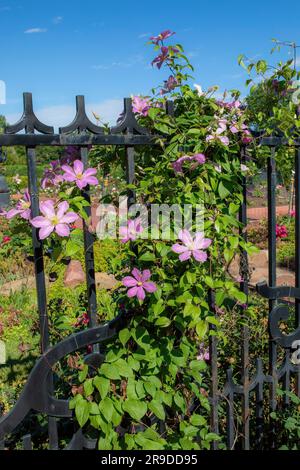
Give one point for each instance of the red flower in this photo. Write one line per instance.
(281, 231)
(6, 240)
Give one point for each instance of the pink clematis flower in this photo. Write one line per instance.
(198, 157)
(140, 105)
(139, 283)
(161, 37)
(52, 220)
(192, 246)
(79, 175)
(22, 208)
(131, 231)
(203, 353)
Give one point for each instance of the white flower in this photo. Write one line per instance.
(199, 89)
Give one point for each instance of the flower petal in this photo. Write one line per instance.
(150, 286)
(137, 274)
(62, 208)
(78, 167)
(200, 256)
(140, 293)
(45, 231)
(132, 292)
(40, 221)
(69, 218)
(185, 256)
(177, 248)
(47, 208)
(185, 236)
(129, 281)
(62, 230)
(146, 274)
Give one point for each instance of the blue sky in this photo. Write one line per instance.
(98, 48)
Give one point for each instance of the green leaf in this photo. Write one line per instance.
(157, 408)
(201, 328)
(124, 336)
(107, 408)
(88, 387)
(110, 371)
(123, 368)
(198, 420)
(148, 256)
(135, 408)
(163, 322)
(102, 384)
(82, 411)
(223, 192)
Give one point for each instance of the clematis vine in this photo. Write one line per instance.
(198, 157)
(77, 174)
(141, 105)
(22, 208)
(54, 220)
(192, 247)
(131, 231)
(139, 284)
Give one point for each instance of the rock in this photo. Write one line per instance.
(105, 281)
(74, 275)
(259, 260)
(286, 279)
(258, 275)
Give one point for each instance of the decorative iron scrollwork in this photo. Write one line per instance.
(29, 122)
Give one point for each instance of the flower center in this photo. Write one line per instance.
(25, 205)
(139, 283)
(79, 176)
(54, 220)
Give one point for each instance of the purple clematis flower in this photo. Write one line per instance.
(52, 175)
(139, 283)
(198, 157)
(22, 208)
(141, 105)
(79, 175)
(131, 231)
(53, 220)
(192, 246)
(161, 37)
(169, 85)
(162, 57)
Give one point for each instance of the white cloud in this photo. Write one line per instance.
(144, 35)
(57, 19)
(35, 30)
(62, 115)
(137, 59)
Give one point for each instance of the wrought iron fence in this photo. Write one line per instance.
(244, 400)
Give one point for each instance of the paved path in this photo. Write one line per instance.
(259, 213)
